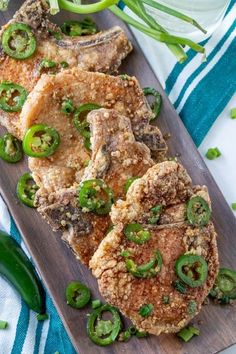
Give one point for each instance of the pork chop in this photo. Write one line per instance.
(86, 52)
(44, 104)
(116, 157)
(118, 262)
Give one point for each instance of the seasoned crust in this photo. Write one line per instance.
(86, 52)
(173, 238)
(116, 156)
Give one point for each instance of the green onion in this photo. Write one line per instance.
(67, 107)
(42, 317)
(165, 299)
(192, 307)
(233, 113)
(146, 310)
(174, 13)
(54, 7)
(213, 153)
(96, 303)
(86, 9)
(234, 206)
(64, 64)
(188, 332)
(179, 286)
(47, 64)
(158, 35)
(140, 11)
(3, 324)
(140, 334)
(4, 5)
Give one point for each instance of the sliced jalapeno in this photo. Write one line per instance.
(136, 233)
(155, 214)
(80, 121)
(76, 28)
(192, 269)
(18, 41)
(77, 295)
(41, 141)
(103, 332)
(156, 106)
(26, 190)
(129, 182)
(47, 64)
(198, 211)
(96, 196)
(148, 270)
(224, 288)
(12, 97)
(10, 148)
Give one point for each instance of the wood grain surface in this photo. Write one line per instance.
(58, 266)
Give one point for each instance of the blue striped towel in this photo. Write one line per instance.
(199, 92)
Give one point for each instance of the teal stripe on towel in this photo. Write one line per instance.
(205, 103)
(203, 65)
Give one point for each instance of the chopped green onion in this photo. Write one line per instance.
(67, 107)
(125, 254)
(54, 7)
(146, 310)
(188, 332)
(47, 64)
(64, 64)
(42, 317)
(165, 299)
(234, 206)
(180, 287)
(3, 324)
(96, 303)
(124, 336)
(192, 307)
(213, 153)
(140, 334)
(233, 113)
(4, 5)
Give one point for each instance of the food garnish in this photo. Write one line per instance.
(10, 148)
(26, 190)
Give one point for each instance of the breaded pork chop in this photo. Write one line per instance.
(131, 276)
(44, 105)
(116, 157)
(86, 52)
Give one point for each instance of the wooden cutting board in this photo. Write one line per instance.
(58, 266)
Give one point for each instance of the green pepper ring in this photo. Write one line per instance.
(29, 135)
(83, 126)
(11, 158)
(86, 202)
(145, 270)
(136, 233)
(20, 190)
(192, 216)
(7, 35)
(226, 282)
(91, 325)
(156, 107)
(77, 295)
(10, 86)
(189, 260)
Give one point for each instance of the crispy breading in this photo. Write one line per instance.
(66, 166)
(167, 184)
(86, 52)
(116, 157)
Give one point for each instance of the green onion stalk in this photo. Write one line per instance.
(144, 23)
